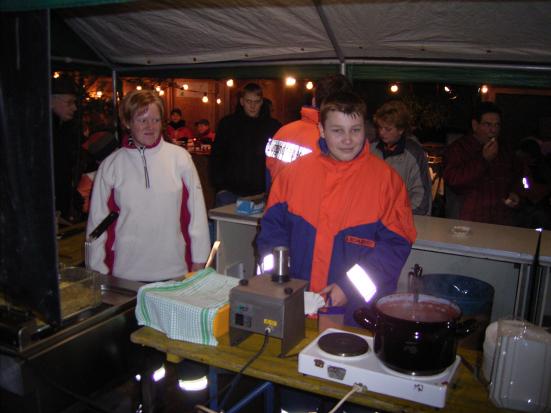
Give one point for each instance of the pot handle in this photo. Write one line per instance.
(365, 317)
(466, 327)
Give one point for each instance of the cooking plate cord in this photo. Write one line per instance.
(355, 388)
(238, 376)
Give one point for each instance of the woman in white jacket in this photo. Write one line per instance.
(161, 231)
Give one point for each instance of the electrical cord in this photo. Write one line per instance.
(238, 376)
(355, 388)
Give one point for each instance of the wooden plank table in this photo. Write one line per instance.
(466, 395)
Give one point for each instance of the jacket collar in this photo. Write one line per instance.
(394, 150)
(310, 114)
(128, 142)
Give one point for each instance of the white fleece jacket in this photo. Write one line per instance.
(161, 214)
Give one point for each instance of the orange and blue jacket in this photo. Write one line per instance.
(333, 215)
(292, 141)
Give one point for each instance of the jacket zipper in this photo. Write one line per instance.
(141, 149)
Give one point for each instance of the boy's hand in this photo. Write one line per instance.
(335, 295)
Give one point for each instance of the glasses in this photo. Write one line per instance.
(490, 124)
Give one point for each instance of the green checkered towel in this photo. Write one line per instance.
(185, 310)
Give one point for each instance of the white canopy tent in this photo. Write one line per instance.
(169, 32)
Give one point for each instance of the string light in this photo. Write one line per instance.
(309, 85)
(139, 87)
(290, 81)
(218, 101)
(56, 75)
(484, 89)
(205, 98)
(158, 88)
(161, 92)
(99, 93)
(394, 88)
(229, 83)
(185, 86)
(447, 89)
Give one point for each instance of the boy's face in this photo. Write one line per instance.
(175, 117)
(344, 134)
(251, 103)
(202, 128)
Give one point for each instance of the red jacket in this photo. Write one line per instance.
(482, 185)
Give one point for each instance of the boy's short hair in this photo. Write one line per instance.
(346, 102)
(329, 85)
(252, 88)
(176, 110)
(395, 113)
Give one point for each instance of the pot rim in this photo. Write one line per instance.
(440, 300)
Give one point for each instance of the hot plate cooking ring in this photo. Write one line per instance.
(343, 344)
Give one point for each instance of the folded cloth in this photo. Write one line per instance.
(185, 310)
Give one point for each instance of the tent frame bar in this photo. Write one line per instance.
(332, 61)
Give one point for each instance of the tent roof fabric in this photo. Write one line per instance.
(171, 32)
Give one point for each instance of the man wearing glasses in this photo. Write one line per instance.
(482, 170)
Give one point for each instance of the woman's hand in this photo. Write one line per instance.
(335, 295)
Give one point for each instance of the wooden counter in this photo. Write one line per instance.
(466, 394)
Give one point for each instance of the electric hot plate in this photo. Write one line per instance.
(347, 358)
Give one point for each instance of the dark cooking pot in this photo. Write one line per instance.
(415, 337)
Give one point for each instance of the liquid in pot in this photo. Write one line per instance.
(425, 311)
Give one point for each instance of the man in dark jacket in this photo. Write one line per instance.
(237, 164)
(66, 146)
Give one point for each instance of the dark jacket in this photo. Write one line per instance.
(66, 147)
(238, 160)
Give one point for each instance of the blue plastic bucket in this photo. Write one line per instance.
(474, 297)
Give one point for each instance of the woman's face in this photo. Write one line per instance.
(146, 125)
(389, 133)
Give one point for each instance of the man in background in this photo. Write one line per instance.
(482, 170)
(66, 144)
(301, 137)
(237, 163)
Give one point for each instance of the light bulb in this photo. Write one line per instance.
(394, 88)
(218, 101)
(139, 87)
(205, 98)
(229, 83)
(484, 89)
(290, 81)
(309, 85)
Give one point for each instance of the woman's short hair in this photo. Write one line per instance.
(346, 102)
(395, 113)
(136, 101)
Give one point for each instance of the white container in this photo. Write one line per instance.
(521, 374)
(488, 350)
